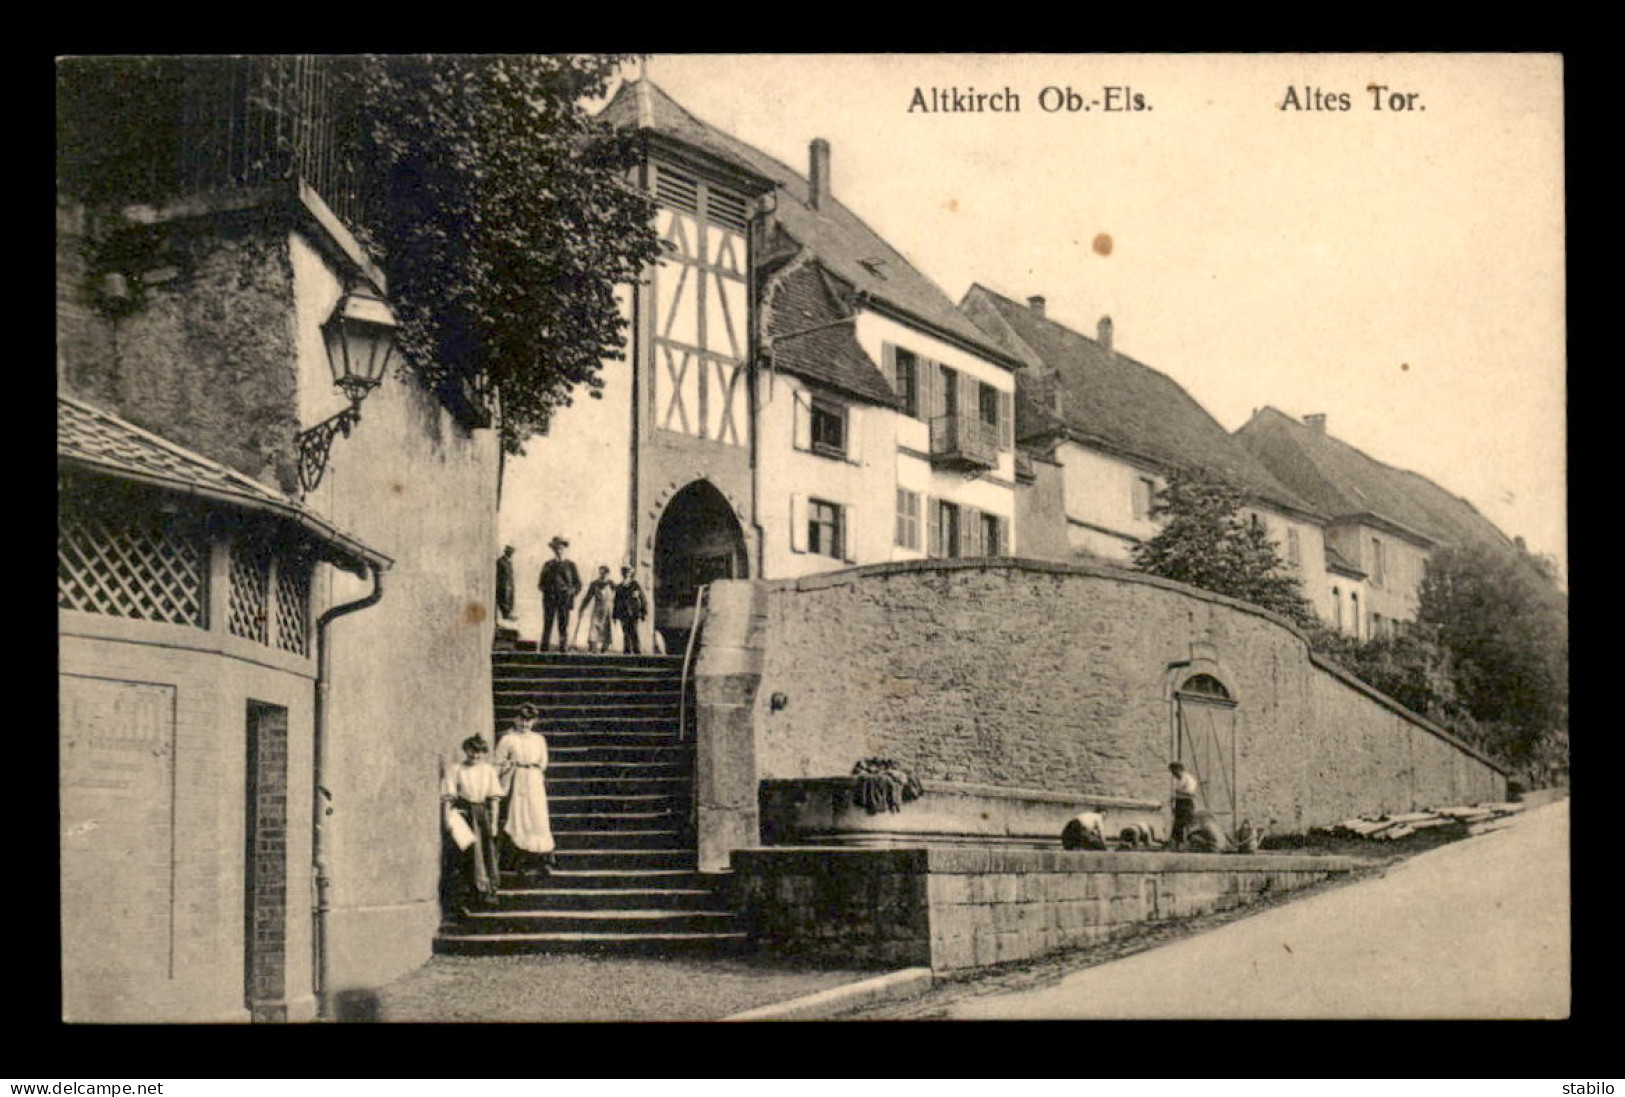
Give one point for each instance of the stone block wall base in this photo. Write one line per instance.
(960, 908)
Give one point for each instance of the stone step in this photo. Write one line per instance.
(606, 770)
(587, 703)
(605, 898)
(619, 782)
(610, 944)
(576, 738)
(608, 822)
(652, 805)
(584, 661)
(617, 840)
(655, 754)
(609, 721)
(673, 879)
(507, 686)
(610, 920)
(669, 857)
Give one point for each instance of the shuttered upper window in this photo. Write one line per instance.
(908, 518)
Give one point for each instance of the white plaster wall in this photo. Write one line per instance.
(1397, 597)
(982, 492)
(864, 481)
(411, 675)
(993, 492)
(874, 331)
(574, 481)
(1311, 566)
(1099, 489)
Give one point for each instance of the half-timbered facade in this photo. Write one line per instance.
(796, 396)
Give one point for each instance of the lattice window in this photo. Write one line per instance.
(293, 605)
(250, 598)
(145, 567)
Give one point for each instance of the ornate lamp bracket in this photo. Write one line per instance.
(315, 443)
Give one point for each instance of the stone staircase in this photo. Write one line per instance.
(620, 794)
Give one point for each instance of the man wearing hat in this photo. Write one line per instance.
(559, 583)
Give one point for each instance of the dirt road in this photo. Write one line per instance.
(1476, 929)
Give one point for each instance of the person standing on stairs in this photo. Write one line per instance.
(597, 606)
(474, 792)
(522, 758)
(630, 609)
(560, 583)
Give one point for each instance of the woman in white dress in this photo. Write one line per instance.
(522, 758)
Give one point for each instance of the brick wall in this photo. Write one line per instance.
(1050, 676)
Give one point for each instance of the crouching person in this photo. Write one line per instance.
(1140, 836)
(1205, 835)
(1248, 838)
(1084, 831)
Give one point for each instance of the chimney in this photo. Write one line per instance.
(1103, 332)
(818, 174)
(1036, 304)
(1316, 422)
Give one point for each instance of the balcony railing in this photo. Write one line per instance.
(958, 441)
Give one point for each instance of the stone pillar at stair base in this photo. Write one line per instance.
(727, 674)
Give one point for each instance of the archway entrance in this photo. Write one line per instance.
(697, 541)
(1205, 740)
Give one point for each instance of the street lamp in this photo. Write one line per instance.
(360, 339)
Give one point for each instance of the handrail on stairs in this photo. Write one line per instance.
(702, 601)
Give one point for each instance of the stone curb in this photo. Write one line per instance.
(883, 988)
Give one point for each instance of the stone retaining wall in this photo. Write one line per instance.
(962, 908)
(1022, 674)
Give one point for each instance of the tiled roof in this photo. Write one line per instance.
(94, 439)
(811, 335)
(1344, 482)
(1118, 404)
(845, 245)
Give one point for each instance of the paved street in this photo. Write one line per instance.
(1475, 929)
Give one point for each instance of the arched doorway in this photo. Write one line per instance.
(1205, 740)
(697, 541)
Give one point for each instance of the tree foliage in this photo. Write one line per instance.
(1504, 626)
(1207, 543)
(503, 217)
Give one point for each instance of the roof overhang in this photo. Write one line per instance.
(714, 168)
(341, 549)
(1387, 525)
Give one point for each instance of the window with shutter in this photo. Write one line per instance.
(828, 427)
(992, 535)
(908, 518)
(1007, 421)
(933, 527)
(930, 394)
(970, 532)
(949, 530)
(798, 523)
(824, 529)
(801, 431)
(987, 404)
(905, 373)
